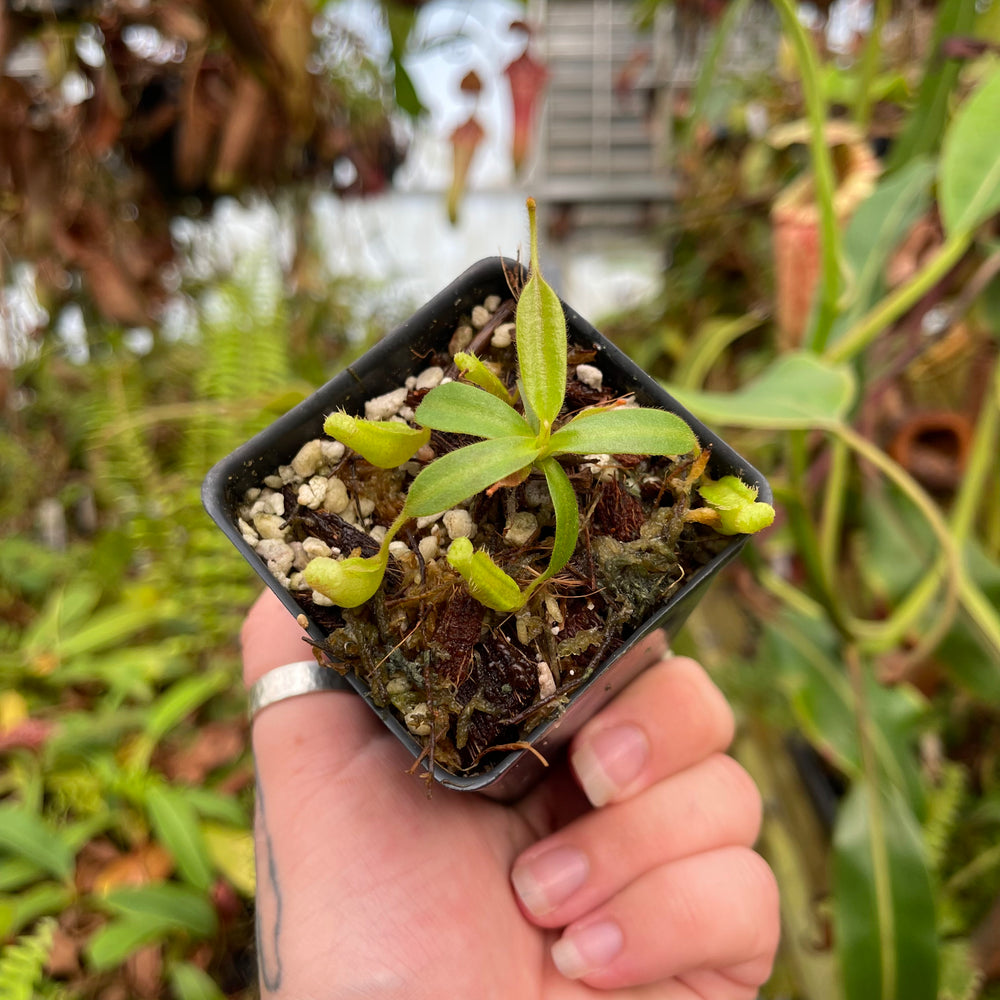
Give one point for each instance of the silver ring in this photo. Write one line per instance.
(290, 681)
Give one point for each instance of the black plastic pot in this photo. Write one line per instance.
(386, 367)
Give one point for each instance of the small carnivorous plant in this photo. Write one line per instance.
(513, 444)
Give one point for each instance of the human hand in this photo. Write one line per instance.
(367, 888)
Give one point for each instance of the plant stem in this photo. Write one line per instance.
(832, 516)
(877, 841)
(804, 530)
(888, 633)
(899, 302)
(869, 64)
(982, 462)
(823, 176)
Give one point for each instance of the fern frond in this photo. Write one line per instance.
(23, 961)
(958, 978)
(944, 802)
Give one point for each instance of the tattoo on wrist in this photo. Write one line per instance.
(268, 904)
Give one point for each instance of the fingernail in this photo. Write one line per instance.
(609, 761)
(547, 881)
(587, 949)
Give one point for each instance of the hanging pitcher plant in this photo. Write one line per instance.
(527, 78)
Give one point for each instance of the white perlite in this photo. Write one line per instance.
(429, 378)
(546, 682)
(336, 499)
(315, 547)
(278, 555)
(589, 375)
(503, 335)
(429, 548)
(480, 317)
(333, 451)
(387, 405)
(313, 493)
(492, 302)
(309, 459)
(270, 525)
(459, 524)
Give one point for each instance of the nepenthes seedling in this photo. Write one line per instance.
(519, 431)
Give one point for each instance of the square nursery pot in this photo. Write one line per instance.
(384, 368)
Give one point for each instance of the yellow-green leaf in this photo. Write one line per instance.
(476, 371)
(466, 409)
(626, 430)
(347, 582)
(541, 339)
(486, 581)
(463, 473)
(385, 443)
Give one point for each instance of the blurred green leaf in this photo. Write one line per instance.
(181, 699)
(924, 127)
(217, 806)
(232, 851)
(796, 391)
(166, 904)
(875, 231)
(117, 939)
(29, 836)
(64, 611)
(969, 189)
(188, 982)
(17, 912)
(898, 546)
(176, 826)
(968, 659)
(18, 872)
(884, 917)
(805, 655)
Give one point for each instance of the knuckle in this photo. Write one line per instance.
(739, 794)
(711, 714)
(762, 912)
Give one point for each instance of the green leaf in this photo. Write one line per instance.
(463, 473)
(176, 825)
(875, 231)
(567, 518)
(385, 443)
(66, 610)
(231, 849)
(541, 339)
(624, 430)
(466, 409)
(25, 834)
(188, 982)
(922, 132)
(118, 939)
(884, 916)
(970, 165)
(806, 658)
(166, 905)
(181, 699)
(797, 391)
(17, 912)
(348, 582)
(475, 370)
(486, 581)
